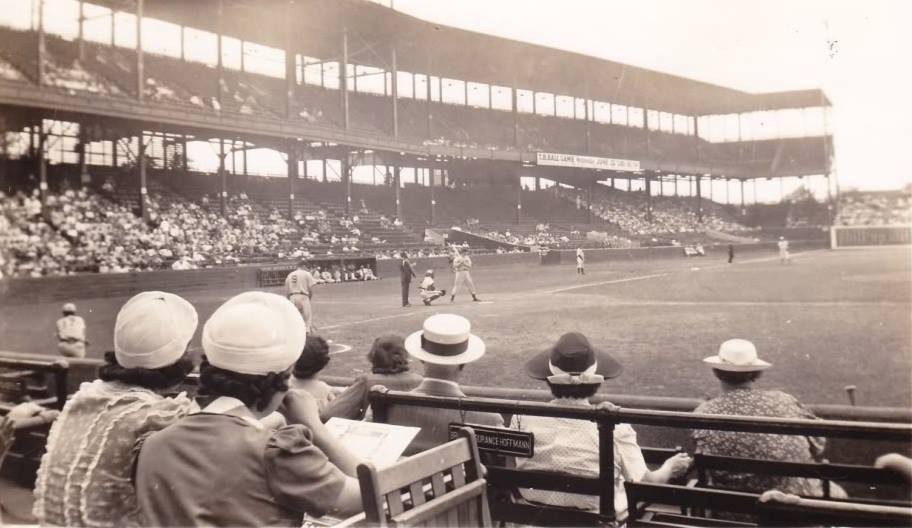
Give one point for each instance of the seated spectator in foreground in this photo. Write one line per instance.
(737, 367)
(389, 367)
(84, 478)
(304, 374)
(222, 466)
(444, 346)
(574, 371)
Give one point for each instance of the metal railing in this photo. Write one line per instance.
(606, 420)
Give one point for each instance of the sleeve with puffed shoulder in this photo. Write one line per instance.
(299, 474)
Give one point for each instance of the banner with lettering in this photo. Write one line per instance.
(586, 162)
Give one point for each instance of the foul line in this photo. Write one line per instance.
(600, 283)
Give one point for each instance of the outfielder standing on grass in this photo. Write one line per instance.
(580, 261)
(299, 284)
(462, 265)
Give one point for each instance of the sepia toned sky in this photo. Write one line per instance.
(858, 51)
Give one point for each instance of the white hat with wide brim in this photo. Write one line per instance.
(737, 355)
(445, 339)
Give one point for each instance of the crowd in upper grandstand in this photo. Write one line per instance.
(873, 209)
(253, 448)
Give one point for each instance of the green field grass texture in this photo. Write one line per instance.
(827, 320)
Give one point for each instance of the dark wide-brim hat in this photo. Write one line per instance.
(572, 353)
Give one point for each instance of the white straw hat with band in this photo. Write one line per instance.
(254, 333)
(445, 339)
(737, 355)
(153, 329)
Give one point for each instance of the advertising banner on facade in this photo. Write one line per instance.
(586, 162)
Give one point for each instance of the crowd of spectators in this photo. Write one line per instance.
(261, 394)
(875, 209)
(628, 211)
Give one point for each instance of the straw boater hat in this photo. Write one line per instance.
(445, 339)
(69, 308)
(737, 355)
(254, 333)
(573, 360)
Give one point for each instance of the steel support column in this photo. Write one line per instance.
(140, 66)
(292, 176)
(80, 41)
(42, 164)
(519, 199)
(343, 80)
(346, 179)
(394, 88)
(42, 46)
(290, 71)
(648, 186)
(81, 153)
(433, 196)
(699, 180)
(743, 210)
(397, 183)
(223, 179)
(589, 204)
(219, 66)
(143, 177)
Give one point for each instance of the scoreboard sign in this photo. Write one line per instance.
(498, 440)
(862, 236)
(586, 162)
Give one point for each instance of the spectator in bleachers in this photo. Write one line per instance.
(444, 346)
(223, 466)
(737, 367)
(574, 371)
(313, 359)
(84, 478)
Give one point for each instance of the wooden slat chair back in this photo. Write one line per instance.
(826, 472)
(442, 486)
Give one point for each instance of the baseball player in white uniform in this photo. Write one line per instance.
(580, 262)
(299, 284)
(784, 257)
(462, 267)
(71, 333)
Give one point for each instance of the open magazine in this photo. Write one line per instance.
(379, 443)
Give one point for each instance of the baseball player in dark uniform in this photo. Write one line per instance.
(406, 273)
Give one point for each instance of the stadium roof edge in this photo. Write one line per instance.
(454, 53)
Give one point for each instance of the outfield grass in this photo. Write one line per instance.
(827, 320)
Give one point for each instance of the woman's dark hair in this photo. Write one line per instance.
(253, 390)
(155, 379)
(314, 357)
(737, 378)
(388, 355)
(574, 391)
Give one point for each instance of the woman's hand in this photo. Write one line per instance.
(678, 465)
(299, 407)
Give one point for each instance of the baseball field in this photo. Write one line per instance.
(826, 320)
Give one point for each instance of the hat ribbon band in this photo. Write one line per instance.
(440, 349)
(562, 377)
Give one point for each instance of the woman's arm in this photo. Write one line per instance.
(301, 408)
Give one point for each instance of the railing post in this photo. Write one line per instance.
(61, 370)
(606, 468)
(379, 407)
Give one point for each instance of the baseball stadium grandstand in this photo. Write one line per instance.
(401, 123)
(213, 147)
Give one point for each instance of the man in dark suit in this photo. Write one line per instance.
(444, 346)
(406, 273)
